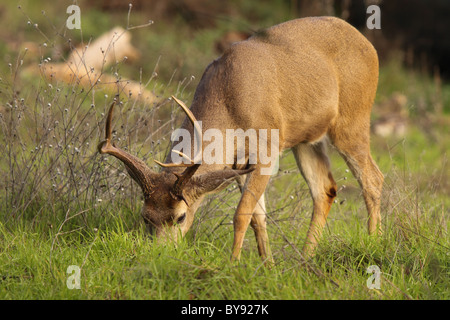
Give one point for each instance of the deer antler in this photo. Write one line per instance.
(182, 179)
(136, 168)
(197, 133)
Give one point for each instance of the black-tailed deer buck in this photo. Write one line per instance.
(311, 79)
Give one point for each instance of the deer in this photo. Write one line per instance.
(314, 79)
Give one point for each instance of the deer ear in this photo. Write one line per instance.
(216, 180)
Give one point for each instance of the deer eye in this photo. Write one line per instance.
(181, 218)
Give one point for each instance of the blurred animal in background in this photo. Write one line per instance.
(392, 116)
(91, 64)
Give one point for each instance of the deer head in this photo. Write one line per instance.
(172, 196)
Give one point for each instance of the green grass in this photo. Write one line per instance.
(62, 204)
(120, 264)
(119, 261)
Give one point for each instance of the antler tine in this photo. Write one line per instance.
(171, 165)
(183, 155)
(197, 133)
(108, 121)
(190, 115)
(182, 180)
(185, 109)
(105, 145)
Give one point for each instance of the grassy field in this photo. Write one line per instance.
(62, 204)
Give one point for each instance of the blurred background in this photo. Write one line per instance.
(187, 34)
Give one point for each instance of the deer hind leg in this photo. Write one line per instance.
(251, 194)
(258, 223)
(354, 147)
(314, 165)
